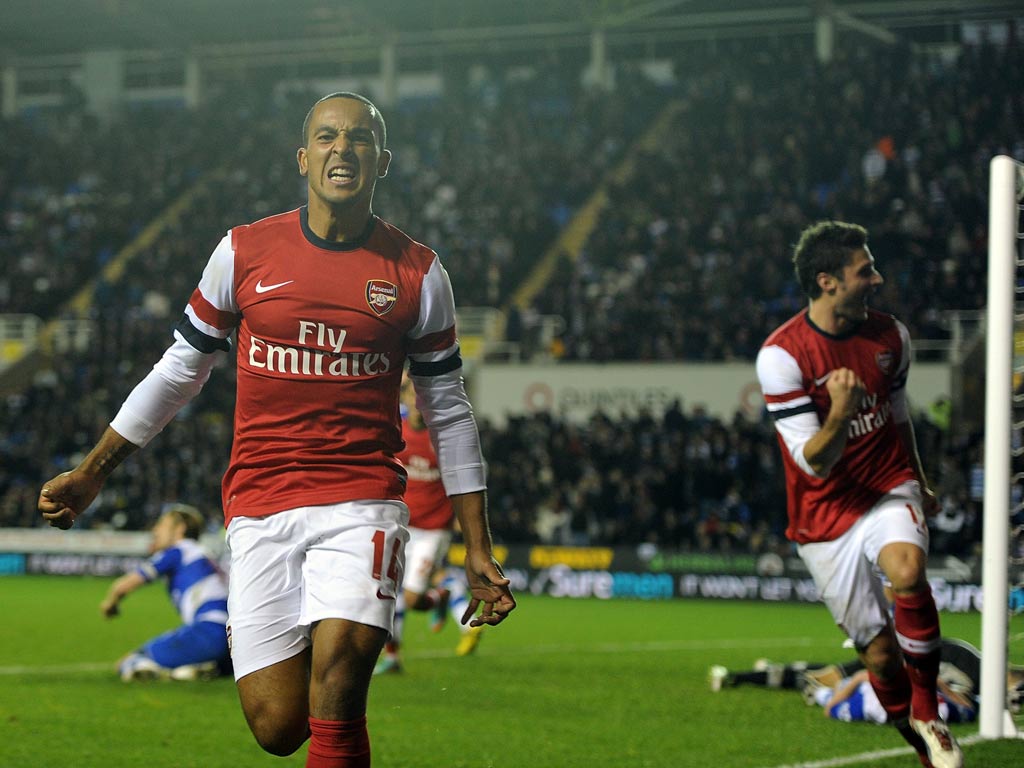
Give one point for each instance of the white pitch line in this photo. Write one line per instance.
(834, 762)
(867, 757)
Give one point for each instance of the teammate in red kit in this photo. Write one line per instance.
(430, 535)
(328, 302)
(834, 379)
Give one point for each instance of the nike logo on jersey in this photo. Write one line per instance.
(382, 596)
(261, 288)
(822, 380)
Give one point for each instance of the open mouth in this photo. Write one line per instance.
(341, 175)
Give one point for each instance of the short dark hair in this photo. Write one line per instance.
(191, 517)
(378, 118)
(825, 247)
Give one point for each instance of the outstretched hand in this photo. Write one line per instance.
(66, 496)
(487, 586)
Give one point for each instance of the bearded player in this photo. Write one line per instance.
(834, 379)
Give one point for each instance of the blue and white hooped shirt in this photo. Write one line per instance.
(197, 586)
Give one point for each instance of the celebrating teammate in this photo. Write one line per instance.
(834, 378)
(430, 535)
(199, 590)
(328, 302)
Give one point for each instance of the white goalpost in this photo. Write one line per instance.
(1005, 189)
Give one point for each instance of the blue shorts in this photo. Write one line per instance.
(189, 644)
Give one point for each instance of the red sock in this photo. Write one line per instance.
(917, 630)
(338, 744)
(893, 694)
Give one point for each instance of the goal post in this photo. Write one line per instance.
(1004, 189)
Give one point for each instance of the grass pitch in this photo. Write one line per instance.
(562, 684)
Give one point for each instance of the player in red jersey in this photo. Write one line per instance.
(834, 378)
(328, 302)
(430, 535)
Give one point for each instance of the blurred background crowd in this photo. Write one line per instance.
(688, 260)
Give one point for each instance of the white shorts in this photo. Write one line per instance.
(424, 554)
(291, 569)
(846, 570)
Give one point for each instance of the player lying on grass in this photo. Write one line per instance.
(843, 691)
(846, 694)
(199, 648)
(852, 699)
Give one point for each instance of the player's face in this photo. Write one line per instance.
(342, 158)
(859, 281)
(165, 533)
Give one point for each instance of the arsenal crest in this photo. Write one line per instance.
(381, 296)
(884, 360)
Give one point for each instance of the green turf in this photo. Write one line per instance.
(562, 684)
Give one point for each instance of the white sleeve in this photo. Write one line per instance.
(214, 314)
(437, 316)
(789, 405)
(449, 416)
(185, 367)
(435, 368)
(898, 393)
(175, 379)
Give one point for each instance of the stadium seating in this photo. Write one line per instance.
(693, 247)
(688, 261)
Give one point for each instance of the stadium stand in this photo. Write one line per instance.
(236, 180)
(692, 246)
(686, 261)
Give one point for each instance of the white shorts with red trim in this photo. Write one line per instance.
(425, 553)
(846, 569)
(292, 569)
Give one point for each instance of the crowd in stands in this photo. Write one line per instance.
(237, 158)
(688, 261)
(693, 247)
(680, 481)
(74, 190)
(488, 175)
(472, 178)
(685, 482)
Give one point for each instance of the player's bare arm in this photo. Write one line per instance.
(487, 584)
(119, 590)
(928, 499)
(843, 692)
(66, 496)
(846, 389)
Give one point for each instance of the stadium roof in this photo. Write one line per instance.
(34, 28)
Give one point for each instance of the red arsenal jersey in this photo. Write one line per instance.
(793, 367)
(429, 505)
(323, 331)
